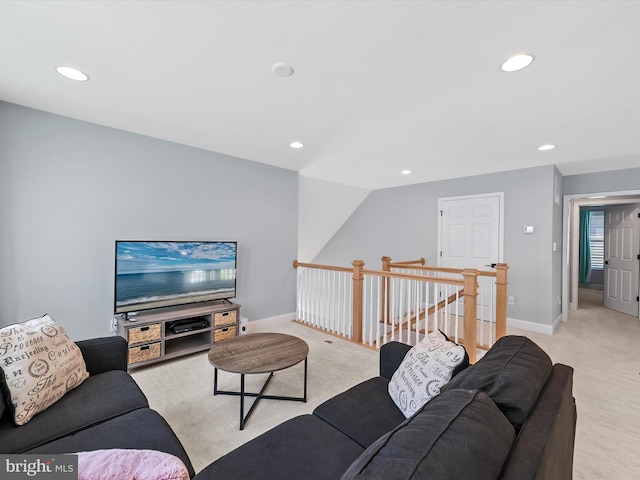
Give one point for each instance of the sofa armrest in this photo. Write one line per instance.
(104, 354)
(391, 356)
(544, 447)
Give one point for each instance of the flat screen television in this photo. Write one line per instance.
(164, 274)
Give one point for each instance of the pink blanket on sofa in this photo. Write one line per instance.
(121, 464)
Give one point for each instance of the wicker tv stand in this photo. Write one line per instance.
(151, 340)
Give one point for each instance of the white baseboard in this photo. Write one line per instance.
(532, 326)
(286, 317)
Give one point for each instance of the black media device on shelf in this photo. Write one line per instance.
(165, 274)
(189, 325)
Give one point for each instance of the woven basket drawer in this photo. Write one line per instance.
(145, 333)
(144, 353)
(224, 333)
(224, 318)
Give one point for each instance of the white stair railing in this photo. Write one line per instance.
(325, 298)
(486, 301)
(403, 302)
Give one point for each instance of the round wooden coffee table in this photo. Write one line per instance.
(258, 353)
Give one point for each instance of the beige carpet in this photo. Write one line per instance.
(600, 344)
(182, 391)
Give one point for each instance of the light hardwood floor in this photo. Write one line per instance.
(601, 346)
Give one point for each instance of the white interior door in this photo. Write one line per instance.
(621, 264)
(471, 236)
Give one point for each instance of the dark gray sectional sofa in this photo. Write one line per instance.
(108, 410)
(510, 416)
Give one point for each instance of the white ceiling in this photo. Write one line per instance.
(378, 86)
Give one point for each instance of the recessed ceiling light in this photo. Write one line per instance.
(517, 62)
(406, 172)
(72, 73)
(548, 146)
(282, 69)
(296, 145)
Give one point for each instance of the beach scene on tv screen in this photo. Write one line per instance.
(158, 274)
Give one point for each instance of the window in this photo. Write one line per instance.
(596, 238)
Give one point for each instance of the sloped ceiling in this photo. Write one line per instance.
(379, 86)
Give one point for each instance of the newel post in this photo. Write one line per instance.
(358, 277)
(385, 290)
(470, 294)
(501, 300)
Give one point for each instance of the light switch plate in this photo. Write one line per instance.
(528, 229)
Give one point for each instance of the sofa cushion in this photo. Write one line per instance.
(98, 398)
(39, 365)
(459, 434)
(364, 413)
(512, 373)
(426, 368)
(139, 429)
(301, 448)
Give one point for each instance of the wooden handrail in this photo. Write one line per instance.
(297, 264)
(440, 305)
(446, 301)
(467, 291)
(481, 273)
(420, 261)
(409, 276)
(381, 273)
(500, 274)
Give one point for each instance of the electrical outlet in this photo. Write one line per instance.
(511, 300)
(114, 324)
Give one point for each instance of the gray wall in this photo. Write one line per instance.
(612, 181)
(402, 223)
(69, 189)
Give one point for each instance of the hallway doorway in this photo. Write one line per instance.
(571, 247)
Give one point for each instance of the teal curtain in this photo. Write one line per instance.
(585, 247)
